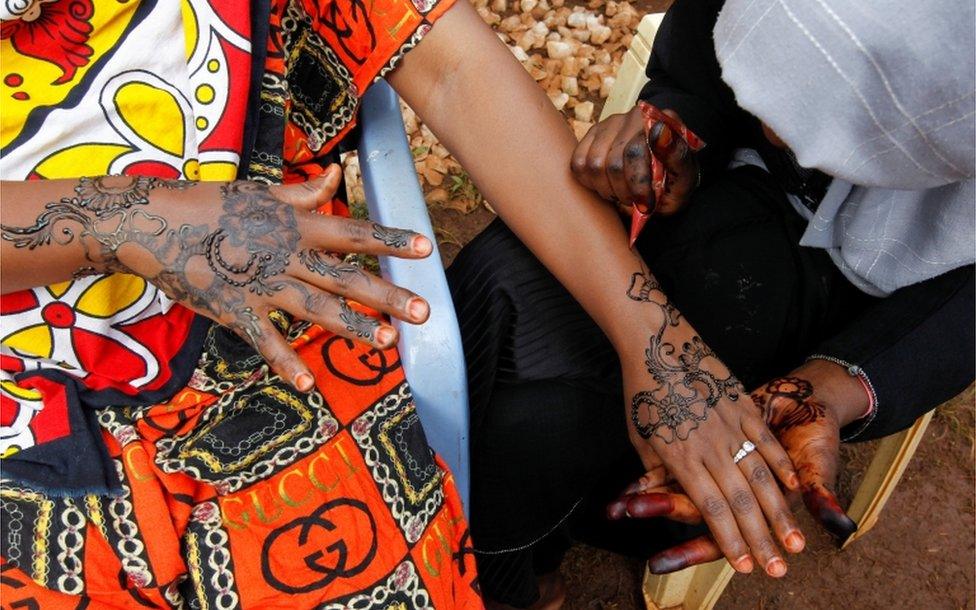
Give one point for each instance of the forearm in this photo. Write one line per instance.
(33, 251)
(503, 129)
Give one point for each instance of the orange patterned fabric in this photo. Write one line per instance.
(242, 492)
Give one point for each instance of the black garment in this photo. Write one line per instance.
(548, 429)
(936, 318)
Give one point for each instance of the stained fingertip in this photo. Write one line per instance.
(695, 551)
(644, 506)
(827, 511)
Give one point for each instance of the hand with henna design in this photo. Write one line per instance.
(689, 416)
(805, 411)
(233, 252)
(614, 159)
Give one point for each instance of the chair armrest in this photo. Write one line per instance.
(431, 353)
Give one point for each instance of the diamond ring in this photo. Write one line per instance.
(746, 449)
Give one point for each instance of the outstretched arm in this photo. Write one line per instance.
(684, 404)
(230, 251)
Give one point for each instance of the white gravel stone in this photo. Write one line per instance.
(584, 111)
(558, 50)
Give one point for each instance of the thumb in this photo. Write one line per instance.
(817, 472)
(311, 194)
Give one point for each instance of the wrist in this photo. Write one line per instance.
(837, 389)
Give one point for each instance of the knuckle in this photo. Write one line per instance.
(634, 151)
(713, 507)
(759, 474)
(394, 297)
(765, 547)
(577, 165)
(595, 164)
(784, 517)
(357, 232)
(616, 167)
(742, 501)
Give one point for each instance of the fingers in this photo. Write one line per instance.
(313, 193)
(771, 450)
(637, 170)
(332, 275)
(718, 515)
(338, 234)
(664, 503)
(773, 504)
(697, 550)
(748, 516)
(281, 358)
(334, 314)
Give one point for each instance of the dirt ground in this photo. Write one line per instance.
(921, 554)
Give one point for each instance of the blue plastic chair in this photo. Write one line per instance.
(431, 353)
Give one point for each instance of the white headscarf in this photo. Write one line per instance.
(881, 95)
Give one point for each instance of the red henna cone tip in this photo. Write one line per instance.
(637, 221)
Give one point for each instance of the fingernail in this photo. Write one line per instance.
(617, 509)
(664, 140)
(304, 382)
(793, 481)
(795, 542)
(418, 309)
(743, 564)
(776, 567)
(386, 335)
(422, 245)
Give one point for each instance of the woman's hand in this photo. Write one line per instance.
(236, 251)
(805, 411)
(689, 411)
(613, 159)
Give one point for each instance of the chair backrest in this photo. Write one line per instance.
(431, 353)
(630, 78)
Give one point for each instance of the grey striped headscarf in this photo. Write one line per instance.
(880, 94)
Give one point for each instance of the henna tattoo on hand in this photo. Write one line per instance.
(363, 326)
(318, 262)
(688, 387)
(786, 404)
(111, 200)
(395, 238)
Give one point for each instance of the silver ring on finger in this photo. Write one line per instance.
(746, 448)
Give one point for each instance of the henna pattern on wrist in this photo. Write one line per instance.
(111, 200)
(687, 388)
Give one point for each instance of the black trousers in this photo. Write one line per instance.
(549, 443)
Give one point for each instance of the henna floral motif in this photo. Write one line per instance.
(687, 386)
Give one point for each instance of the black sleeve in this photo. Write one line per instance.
(685, 76)
(916, 347)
